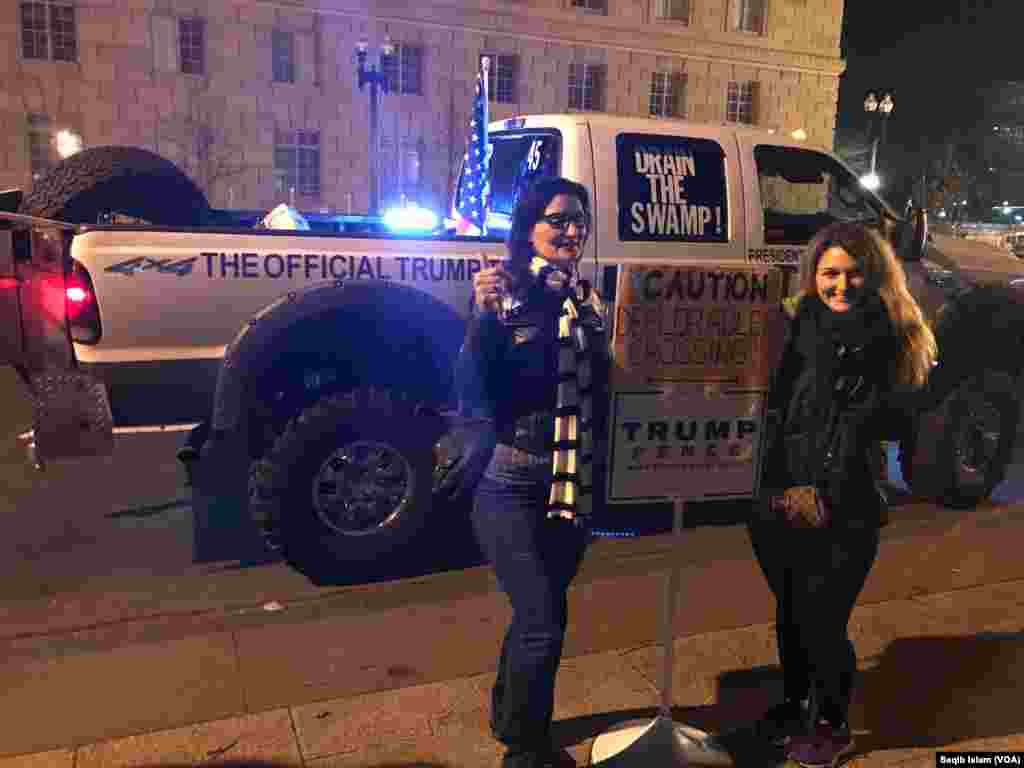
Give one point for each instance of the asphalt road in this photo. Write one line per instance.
(107, 540)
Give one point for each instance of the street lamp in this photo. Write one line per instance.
(877, 109)
(377, 78)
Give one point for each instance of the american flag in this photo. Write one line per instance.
(471, 211)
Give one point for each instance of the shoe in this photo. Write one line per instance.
(783, 721)
(547, 758)
(824, 747)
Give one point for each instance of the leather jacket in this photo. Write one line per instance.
(508, 370)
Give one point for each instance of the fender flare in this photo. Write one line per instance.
(258, 336)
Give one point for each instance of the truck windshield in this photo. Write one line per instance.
(517, 159)
(803, 191)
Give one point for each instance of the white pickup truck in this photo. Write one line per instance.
(317, 362)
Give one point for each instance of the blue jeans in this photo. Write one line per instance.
(534, 559)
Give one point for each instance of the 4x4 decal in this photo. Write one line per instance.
(181, 267)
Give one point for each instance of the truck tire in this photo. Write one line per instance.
(347, 482)
(961, 450)
(121, 180)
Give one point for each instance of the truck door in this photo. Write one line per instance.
(799, 191)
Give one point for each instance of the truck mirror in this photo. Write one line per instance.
(914, 234)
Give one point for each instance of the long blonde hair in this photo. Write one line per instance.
(884, 275)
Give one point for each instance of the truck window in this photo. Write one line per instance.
(516, 160)
(803, 191)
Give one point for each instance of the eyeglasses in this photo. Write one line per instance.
(561, 221)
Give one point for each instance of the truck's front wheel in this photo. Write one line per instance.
(347, 483)
(963, 449)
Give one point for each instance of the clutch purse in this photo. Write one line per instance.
(801, 506)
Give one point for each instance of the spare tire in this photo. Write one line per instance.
(117, 180)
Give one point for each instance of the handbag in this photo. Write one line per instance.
(801, 506)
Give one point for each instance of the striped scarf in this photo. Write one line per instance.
(572, 464)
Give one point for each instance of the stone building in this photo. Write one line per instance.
(254, 98)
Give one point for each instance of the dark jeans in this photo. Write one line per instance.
(816, 576)
(534, 559)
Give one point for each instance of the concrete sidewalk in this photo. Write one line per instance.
(944, 670)
(938, 631)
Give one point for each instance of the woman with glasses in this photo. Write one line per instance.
(510, 377)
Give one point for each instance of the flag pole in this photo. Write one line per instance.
(485, 64)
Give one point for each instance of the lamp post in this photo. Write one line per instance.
(376, 77)
(876, 109)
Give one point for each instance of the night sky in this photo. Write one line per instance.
(936, 54)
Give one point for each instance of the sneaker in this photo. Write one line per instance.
(782, 721)
(824, 747)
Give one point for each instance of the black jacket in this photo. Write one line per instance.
(835, 401)
(508, 371)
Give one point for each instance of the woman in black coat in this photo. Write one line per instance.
(857, 349)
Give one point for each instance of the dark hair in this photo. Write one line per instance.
(531, 205)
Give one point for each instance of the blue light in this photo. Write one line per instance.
(410, 218)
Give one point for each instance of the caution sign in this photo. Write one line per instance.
(694, 347)
(678, 323)
(671, 188)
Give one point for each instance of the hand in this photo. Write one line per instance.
(460, 480)
(490, 286)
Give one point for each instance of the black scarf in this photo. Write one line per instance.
(845, 348)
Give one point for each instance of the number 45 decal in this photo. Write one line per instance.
(180, 268)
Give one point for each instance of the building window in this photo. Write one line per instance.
(404, 70)
(39, 154)
(49, 30)
(594, 6)
(297, 162)
(501, 77)
(192, 46)
(739, 102)
(668, 94)
(283, 46)
(676, 10)
(749, 15)
(412, 171)
(586, 87)
(400, 171)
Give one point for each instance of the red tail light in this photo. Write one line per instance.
(81, 306)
